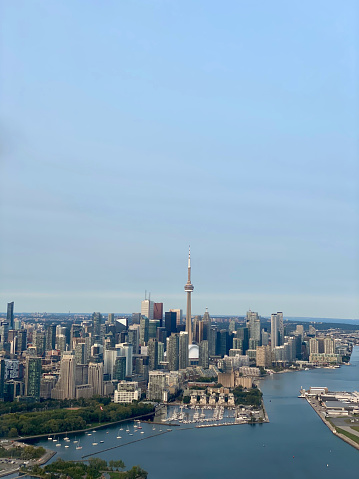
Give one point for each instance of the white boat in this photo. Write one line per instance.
(101, 442)
(67, 446)
(142, 432)
(54, 440)
(58, 445)
(49, 438)
(95, 443)
(78, 446)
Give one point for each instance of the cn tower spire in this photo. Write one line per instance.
(189, 288)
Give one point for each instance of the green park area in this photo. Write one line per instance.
(92, 469)
(54, 417)
(353, 437)
(250, 397)
(25, 453)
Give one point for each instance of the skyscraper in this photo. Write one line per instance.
(10, 314)
(170, 322)
(158, 311)
(179, 314)
(96, 321)
(204, 354)
(183, 350)
(147, 308)
(189, 288)
(33, 377)
(39, 341)
(95, 377)
(144, 330)
(280, 327)
(65, 387)
(152, 354)
(50, 337)
(274, 333)
(172, 352)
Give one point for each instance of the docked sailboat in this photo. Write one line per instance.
(78, 446)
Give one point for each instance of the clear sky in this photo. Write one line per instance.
(131, 129)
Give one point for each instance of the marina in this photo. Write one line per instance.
(294, 430)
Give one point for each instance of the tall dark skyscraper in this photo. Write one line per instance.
(50, 337)
(33, 377)
(173, 351)
(96, 322)
(158, 311)
(153, 354)
(170, 322)
(10, 314)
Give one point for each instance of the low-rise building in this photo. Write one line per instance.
(127, 391)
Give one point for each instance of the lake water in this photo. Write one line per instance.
(295, 444)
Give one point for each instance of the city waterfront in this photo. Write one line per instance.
(295, 441)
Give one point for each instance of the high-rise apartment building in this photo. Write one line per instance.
(126, 349)
(152, 351)
(50, 337)
(329, 346)
(280, 327)
(96, 326)
(81, 354)
(65, 387)
(33, 377)
(10, 315)
(119, 369)
(144, 330)
(173, 351)
(39, 341)
(264, 356)
(95, 377)
(243, 334)
(274, 334)
(133, 337)
(183, 350)
(153, 324)
(204, 354)
(21, 343)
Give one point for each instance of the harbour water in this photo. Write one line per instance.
(295, 444)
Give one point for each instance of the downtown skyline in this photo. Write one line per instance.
(148, 127)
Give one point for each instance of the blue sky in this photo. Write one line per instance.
(131, 129)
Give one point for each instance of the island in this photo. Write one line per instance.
(338, 410)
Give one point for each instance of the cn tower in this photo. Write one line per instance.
(189, 288)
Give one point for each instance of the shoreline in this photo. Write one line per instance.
(333, 429)
(100, 426)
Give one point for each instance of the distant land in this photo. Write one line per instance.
(323, 320)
